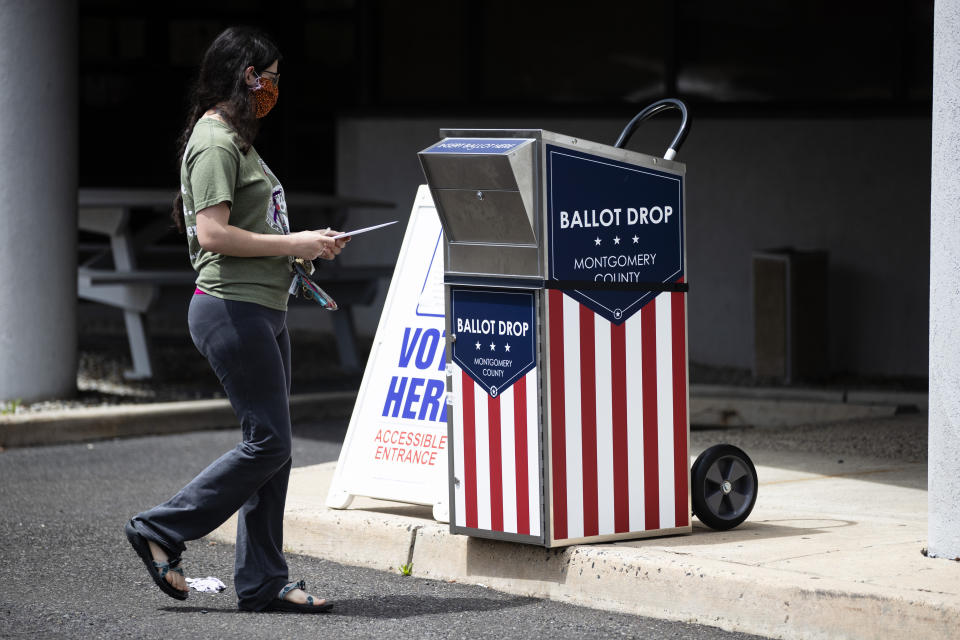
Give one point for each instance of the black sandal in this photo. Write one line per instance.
(157, 570)
(279, 604)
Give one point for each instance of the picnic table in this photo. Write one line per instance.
(110, 274)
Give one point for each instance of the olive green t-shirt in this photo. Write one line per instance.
(213, 171)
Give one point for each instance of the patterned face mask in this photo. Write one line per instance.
(264, 95)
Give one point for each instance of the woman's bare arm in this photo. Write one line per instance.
(215, 233)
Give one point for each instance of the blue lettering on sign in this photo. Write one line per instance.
(496, 335)
(418, 397)
(476, 145)
(613, 222)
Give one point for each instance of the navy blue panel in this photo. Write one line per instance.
(476, 145)
(496, 335)
(613, 222)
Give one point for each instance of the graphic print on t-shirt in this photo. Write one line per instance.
(277, 207)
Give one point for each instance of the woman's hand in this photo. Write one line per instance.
(338, 244)
(317, 244)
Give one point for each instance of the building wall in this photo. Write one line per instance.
(858, 188)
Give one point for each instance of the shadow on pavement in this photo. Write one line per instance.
(396, 606)
(407, 510)
(202, 610)
(402, 606)
(749, 531)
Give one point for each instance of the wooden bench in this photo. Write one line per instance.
(124, 286)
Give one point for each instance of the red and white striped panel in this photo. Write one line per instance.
(496, 456)
(618, 402)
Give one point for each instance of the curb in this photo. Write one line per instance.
(650, 578)
(917, 399)
(680, 587)
(160, 418)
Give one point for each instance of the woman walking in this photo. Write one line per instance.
(235, 216)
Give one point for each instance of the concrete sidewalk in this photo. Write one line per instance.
(825, 554)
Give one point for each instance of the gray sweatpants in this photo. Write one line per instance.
(249, 349)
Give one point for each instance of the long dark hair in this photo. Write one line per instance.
(221, 85)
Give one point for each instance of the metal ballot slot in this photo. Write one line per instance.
(484, 189)
(565, 296)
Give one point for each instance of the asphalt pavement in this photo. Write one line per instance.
(67, 571)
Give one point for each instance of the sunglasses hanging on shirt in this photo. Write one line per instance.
(305, 287)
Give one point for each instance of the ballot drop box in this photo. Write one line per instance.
(565, 295)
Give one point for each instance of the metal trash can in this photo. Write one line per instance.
(565, 291)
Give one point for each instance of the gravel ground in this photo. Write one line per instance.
(733, 376)
(901, 437)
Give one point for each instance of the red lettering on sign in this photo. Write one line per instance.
(411, 447)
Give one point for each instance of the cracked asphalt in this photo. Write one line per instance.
(67, 571)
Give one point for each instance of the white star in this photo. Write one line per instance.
(478, 345)
(636, 239)
(493, 347)
(507, 347)
(596, 241)
(616, 240)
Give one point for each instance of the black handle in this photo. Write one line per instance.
(661, 105)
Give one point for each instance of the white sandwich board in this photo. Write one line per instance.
(396, 444)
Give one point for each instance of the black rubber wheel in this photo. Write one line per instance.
(723, 486)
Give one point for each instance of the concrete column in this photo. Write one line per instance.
(38, 197)
(944, 417)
